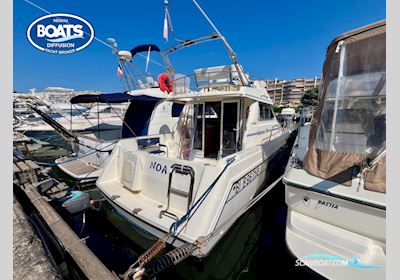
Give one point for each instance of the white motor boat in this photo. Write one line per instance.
(25, 116)
(147, 113)
(193, 183)
(335, 179)
(288, 112)
(77, 122)
(287, 118)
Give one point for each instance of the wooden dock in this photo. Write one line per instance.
(88, 263)
(30, 260)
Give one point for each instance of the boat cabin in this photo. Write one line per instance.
(222, 118)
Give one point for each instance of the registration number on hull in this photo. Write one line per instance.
(243, 182)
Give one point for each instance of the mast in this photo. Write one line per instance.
(232, 54)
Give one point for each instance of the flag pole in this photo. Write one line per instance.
(165, 29)
(147, 59)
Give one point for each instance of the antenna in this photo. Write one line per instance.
(232, 54)
(113, 42)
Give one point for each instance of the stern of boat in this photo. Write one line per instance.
(322, 225)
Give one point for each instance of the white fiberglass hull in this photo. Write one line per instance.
(242, 180)
(88, 164)
(322, 227)
(80, 124)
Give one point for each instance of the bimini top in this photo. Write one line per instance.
(366, 30)
(119, 97)
(144, 48)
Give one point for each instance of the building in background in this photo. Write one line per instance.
(290, 92)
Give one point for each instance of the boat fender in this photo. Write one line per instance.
(165, 82)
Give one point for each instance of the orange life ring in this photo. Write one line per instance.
(165, 82)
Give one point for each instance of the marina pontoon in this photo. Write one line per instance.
(335, 179)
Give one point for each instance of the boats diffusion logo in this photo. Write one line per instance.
(60, 33)
(331, 260)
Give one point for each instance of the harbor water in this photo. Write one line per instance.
(253, 248)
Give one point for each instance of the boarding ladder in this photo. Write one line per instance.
(180, 170)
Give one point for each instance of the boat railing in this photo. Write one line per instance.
(182, 83)
(216, 77)
(205, 79)
(145, 80)
(273, 128)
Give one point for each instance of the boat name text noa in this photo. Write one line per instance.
(161, 168)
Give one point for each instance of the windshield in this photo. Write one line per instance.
(353, 117)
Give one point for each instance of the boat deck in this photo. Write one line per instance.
(78, 167)
(300, 178)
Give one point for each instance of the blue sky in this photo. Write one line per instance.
(283, 39)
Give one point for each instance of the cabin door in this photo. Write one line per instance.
(212, 123)
(229, 127)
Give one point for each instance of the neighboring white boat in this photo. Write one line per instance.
(287, 118)
(195, 182)
(75, 123)
(335, 179)
(56, 103)
(147, 113)
(288, 112)
(306, 114)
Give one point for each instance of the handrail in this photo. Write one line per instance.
(208, 80)
(274, 127)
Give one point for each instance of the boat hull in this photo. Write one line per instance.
(321, 226)
(244, 179)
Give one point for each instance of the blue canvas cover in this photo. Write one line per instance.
(144, 48)
(119, 97)
(137, 118)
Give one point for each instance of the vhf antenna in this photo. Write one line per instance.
(242, 77)
(114, 45)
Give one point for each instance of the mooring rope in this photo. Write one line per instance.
(160, 244)
(151, 269)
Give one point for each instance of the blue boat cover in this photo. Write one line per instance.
(120, 97)
(137, 118)
(144, 48)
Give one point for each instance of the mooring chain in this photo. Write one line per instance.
(145, 258)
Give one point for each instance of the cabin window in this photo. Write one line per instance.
(107, 110)
(56, 115)
(265, 112)
(176, 109)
